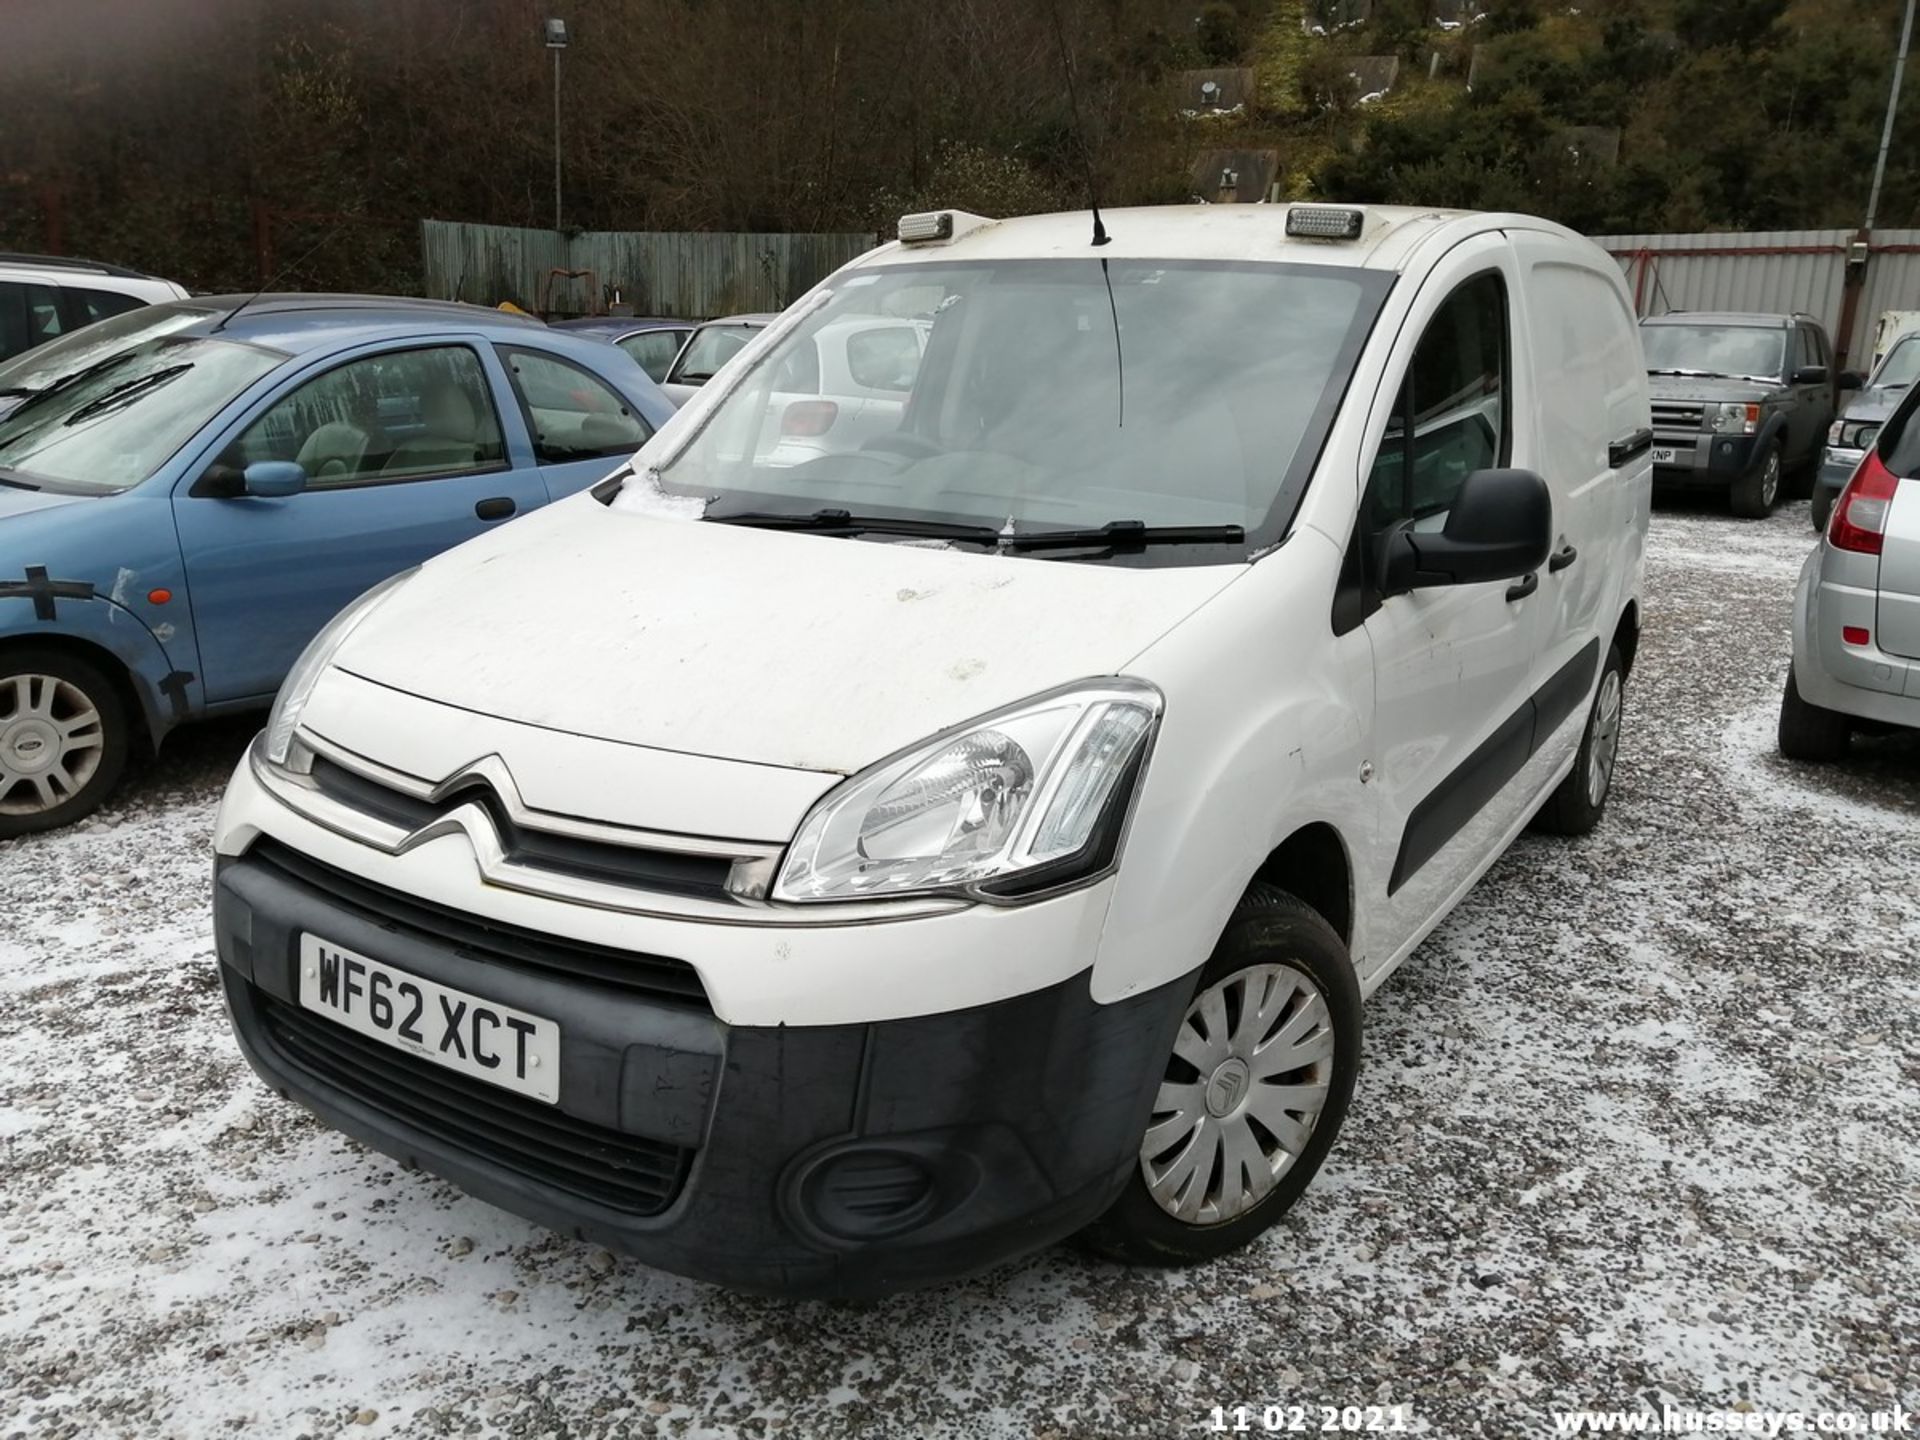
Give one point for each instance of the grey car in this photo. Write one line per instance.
(1856, 613)
(1740, 402)
(1860, 420)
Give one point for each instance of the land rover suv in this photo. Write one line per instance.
(1741, 403)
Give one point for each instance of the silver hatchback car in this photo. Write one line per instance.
(1856, 616)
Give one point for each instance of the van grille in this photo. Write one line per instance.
(703, 876)
(657, 977)
(540, 1142)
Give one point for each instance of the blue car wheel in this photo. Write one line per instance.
(63, 739)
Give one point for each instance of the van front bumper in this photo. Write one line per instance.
(848, 1159)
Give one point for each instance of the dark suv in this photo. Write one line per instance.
(1739, 401)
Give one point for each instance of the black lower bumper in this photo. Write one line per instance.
(1720, 461)
(847, 1160)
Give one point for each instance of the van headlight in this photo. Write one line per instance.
(284, 718)
(1015, 803)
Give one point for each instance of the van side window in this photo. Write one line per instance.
(1451, 416)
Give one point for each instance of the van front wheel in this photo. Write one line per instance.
(1252, 1095)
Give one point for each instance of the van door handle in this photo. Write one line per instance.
(1562, 558)
(497, 508)
(1524, 586)
(1619, 452)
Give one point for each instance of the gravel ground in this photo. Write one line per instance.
(1637, 1125)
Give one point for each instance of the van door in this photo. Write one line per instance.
(1590, 404)
(1452, 720)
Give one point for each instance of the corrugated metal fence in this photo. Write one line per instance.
(658, 273)
(1773, 270)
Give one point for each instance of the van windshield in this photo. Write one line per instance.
(1033, 394)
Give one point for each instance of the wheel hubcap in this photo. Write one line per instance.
(1606, 738)
(1243, 1089)
(1770, 478)
(51, 739)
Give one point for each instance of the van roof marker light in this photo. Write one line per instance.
(1324, 222)
(934, 227)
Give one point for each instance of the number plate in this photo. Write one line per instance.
(1665, 455)
(479, 1038)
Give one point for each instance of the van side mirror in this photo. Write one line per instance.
(1500, 528)
(1810, 375)
(271, 479)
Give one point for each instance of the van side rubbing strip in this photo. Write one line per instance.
(1561, 695)
(1481, 776)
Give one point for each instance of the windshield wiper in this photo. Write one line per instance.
(1691, 374)
(1124, 535)
(16, 480)
(123, 393)
(1114, 535)
(845, 522)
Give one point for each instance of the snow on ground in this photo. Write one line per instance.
(1639, 1123)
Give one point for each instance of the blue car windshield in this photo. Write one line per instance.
(123, 419)
(45, 366)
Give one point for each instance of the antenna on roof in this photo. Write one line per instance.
(1100, 236)
(268, 283)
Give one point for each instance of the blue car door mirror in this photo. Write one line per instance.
(270, 478)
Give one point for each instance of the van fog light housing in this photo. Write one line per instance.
(1013, 804)
(867, 1194)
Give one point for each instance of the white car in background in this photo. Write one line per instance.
(709, 348)
(831, 878)
(43, 297)
(845, 387)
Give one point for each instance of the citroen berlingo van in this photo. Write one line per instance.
(833, 876)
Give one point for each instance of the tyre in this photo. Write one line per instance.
(1252, 1096)
(63, 740)
(1823, 498)
(1579, 800)
(1756, 493)
(1809, 731)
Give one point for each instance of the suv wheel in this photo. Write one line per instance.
(1579, 801)
(1809, 731)
(1260, 1077)
(1756, 493)
(63, 740)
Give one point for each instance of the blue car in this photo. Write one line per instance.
(190, 491)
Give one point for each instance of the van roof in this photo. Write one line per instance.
(1388, 238)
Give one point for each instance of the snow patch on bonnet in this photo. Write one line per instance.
(642, 495)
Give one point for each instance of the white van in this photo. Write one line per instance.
(830, 878)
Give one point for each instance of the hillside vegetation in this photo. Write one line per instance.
(228, 141)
